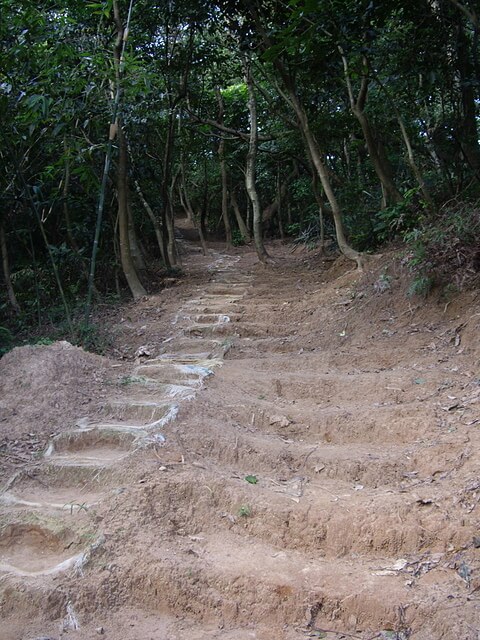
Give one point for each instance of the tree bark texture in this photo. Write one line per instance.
(377, 154)
(128, 267)
(12, 298)
(250, 169)
(242, 227)
(223, 174)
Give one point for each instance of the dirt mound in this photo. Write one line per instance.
(43, 389)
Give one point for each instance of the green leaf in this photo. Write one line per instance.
(251, 479)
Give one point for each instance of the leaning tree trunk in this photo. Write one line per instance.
(379, 159)
(322, 173)
(153, 220)
(242, 227)
(313, 150)
(250, 170)
(273, 207)
(187, 207)
(128, 267)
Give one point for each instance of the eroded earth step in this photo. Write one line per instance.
(214, 348)
(239, 582)
(327, 388)
(141, 413)
(91, 446)
(298, 512)
(370, 465)
(34, 549)
(171, 373)
(51, 487)
(336, 424)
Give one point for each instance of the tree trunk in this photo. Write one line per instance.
(273, 207)
(379, 159)
(322, 172)
(6, 270)
(242, 227)
(376, 152)
(321, 207)
(250, 170)
(128, 267)
(167, 212)
(223, 174)
(135, 250)
(153, 220)
(280, 197)
(187, 207)
(415, 169)
(468, 133)
(172, 242)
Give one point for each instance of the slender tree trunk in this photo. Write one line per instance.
(167, 211)
(172, 242)
(153, 219)
(468, 132)
(135, 249)
(279, 209)
(250, 170)
(377, 155)
(223, 173)
(318, 198)
(128, 267)
(184, 192)
(6, 270)
(415, 169)
(272, 208)
(406, 138)
(322, 173)
(187, 207)
(118, 58)
(201, 234)
(242, 227)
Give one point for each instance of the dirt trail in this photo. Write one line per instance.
(293, 454)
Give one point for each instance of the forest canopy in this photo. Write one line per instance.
(345, 124)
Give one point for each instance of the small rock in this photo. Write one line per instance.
(100, 631)
(282, 421)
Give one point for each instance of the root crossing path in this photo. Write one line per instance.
(295, 457)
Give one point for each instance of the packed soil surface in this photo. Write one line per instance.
(284, 451)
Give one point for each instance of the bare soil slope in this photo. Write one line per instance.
(286, 452)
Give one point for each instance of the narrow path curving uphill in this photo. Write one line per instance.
(255, 480)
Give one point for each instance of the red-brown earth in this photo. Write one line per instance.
(272, 452)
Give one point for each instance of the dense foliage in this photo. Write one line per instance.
(367, 131)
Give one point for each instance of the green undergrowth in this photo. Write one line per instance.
(443, 252)
(93, 336)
